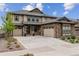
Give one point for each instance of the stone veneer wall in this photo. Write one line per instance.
(73, 32)
(58, 30)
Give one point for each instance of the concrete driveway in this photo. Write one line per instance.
(48, 46)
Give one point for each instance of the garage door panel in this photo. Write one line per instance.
(49, 32)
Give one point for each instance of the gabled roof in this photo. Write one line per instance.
(64, 19)
(36, 10)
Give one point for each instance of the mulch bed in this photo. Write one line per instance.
(3, 46)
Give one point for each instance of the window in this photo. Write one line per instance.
(16, 18)
(66, 29)
(49, 27)
(28, 19)
(33, 20)
(37, 20)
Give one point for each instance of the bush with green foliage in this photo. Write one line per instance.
(17, 46)
(8, 25)
(68, 37)
(71, 39)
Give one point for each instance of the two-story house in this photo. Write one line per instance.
(35, 22)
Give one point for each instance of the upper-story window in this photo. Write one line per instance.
(28, 19)
(16, 18)
(33, 20)
(37, 20)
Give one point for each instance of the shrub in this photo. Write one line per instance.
(17, 46)
(9, 43)
(11, 39)
(28, 54)
(15, 42)
(73, 37)
(72, 40)
(78, 38)
(8, 46)
(77, 41)
(68, 37)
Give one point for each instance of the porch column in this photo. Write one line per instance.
(24, 33)
(73, 29)
(42, 31)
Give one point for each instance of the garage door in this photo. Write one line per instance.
(49, 32)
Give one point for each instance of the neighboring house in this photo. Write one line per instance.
(35, 22)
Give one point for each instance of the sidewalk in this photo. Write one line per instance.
(14, 53)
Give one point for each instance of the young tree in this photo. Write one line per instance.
(8, 25)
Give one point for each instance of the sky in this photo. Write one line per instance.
(70, 10)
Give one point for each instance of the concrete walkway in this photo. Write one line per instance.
(45, 46)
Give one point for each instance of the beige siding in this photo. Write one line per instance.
(72, 29)
(13, 18)
(20, 19)
(17, 32)
(25, 19)
(40, 19)
(47, 19)
(43, 19)
(35, 19)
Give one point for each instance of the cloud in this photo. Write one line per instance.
(68, 7)
(2, 6)
(28, 7)
(39, 6)
(7, 9)
(32, 6)
(66, 12)
(54, 13)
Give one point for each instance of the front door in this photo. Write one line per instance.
(34, 30)
(28, 30)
